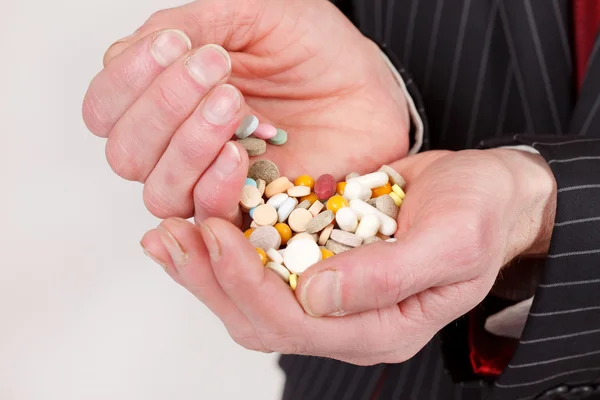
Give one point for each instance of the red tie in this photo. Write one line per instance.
(490, 354)
(586, 15)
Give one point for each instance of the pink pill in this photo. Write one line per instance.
(325, 187)
(265, 131)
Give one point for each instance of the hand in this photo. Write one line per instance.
(299, 64)
(466, 215)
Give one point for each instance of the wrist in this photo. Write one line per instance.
(536, 195)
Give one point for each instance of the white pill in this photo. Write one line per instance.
(286, 208)
(388, 225)
(275, 256)
(346, 219)
(277, 200)
(391, 240)
(369, 226)
(356, 190)
(301, 254)
(247, 127)
(372, 180)
(279, 270)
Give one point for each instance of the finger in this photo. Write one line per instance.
(117, 86)
(152, 245)
(258, 292)
(191, 150)
(142, 134)
(178, 243)
(383, 274)
(232, 24)
(217, 193)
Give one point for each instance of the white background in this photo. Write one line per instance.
(83, 313)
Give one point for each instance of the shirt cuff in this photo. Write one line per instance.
(412, 108)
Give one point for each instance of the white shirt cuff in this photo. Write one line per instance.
(414, 114)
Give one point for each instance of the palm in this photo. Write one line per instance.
(326, 85)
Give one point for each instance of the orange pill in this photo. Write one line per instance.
(380, 191)
(248, 233)
(336, 202)
(326, 253)
(262, 255)
(341, 186)
(311, 197)
(284, 231)
(305, 180)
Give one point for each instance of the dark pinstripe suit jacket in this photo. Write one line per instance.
(488, 73)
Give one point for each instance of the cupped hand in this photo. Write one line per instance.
(466, 214)
(299, 64)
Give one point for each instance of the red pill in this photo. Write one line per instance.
(325, 187)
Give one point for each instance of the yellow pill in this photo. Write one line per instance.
(380, 191)
(311, 197)
(336, 202)
(341, 186)
(326, 253)
(293, 281)
(284, 231)
(398, 190)
(396, 199)
(262, 255)
(248, 233)
(305, 180)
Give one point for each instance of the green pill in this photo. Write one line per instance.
(280, 138)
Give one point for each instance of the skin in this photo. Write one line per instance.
(466, 215)
(325, 84)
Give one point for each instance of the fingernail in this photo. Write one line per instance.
(212, 243)
(221, 105)
(169, 45)
(178, 256)
(228, 160)
(209, 65)
(153, 257)
(321, 295)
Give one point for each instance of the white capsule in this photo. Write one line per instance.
(356, 190)
(388, 225)
(277, 200)
(368, 226)
(286, 208)
(346, 219)
(372, 180)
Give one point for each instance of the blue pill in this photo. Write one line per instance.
(251, 182)
(251, 212)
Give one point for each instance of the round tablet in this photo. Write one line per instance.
(325, 233)
(301, 254)
(394, 176)
(298, 191)
(265, 237)
(265, 215)
(254, 147)
(263, 169)
(279, 270)
(246, 127)
(346, 238)
(250, 197)
(280, 138)
(298, 219)
(265, 131)
(279, 185)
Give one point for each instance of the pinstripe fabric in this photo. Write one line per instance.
(480, 71)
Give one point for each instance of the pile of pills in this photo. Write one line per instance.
(253, 136)
(296, 224)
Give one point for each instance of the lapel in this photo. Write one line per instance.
(585, 121)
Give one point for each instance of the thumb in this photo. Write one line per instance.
(232, 24)
(378, 275)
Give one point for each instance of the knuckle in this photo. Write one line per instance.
(169, 103)
(284, 343)
(191, 148)
(159, 16)
(159, 202)
(96, 115)
(475, 234)
(123, 161)
(207, 201)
